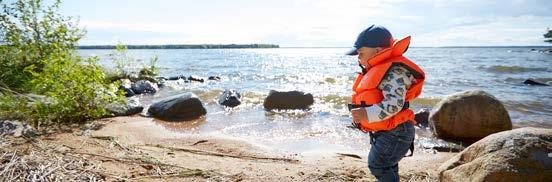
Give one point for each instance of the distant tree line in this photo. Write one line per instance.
(185, 46)
(548, 36)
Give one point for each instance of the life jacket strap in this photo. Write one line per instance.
(364, 71)
(354, 106)
(406, 105)
(363, 104)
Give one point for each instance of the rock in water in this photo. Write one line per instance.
(182, 107)
(230, 98)
(144, 86)
(422, 117)
(161, 81)
(534, 82)
(288, 100)
(126, 85)
(469, 116)
(128, 91)
(216, 78)
(177, 77)
(195, 78)
(523, 154)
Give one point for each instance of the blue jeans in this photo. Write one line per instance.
(388, 149)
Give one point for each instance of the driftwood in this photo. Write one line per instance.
(200, 141)
(349, 155)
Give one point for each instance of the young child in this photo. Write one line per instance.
(380, 100)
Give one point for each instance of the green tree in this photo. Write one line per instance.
(548, 36)
(43, 80)
(31, 34)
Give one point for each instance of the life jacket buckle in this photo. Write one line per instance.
(354, 106)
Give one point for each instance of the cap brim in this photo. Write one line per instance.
(352, 52)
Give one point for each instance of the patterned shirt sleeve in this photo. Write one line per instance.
(394, 85)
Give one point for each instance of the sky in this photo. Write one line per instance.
(311, 23)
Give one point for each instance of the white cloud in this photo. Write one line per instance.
(334, 23)
(523, 30)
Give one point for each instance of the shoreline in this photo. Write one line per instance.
(130, 148)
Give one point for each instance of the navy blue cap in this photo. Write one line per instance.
(373, 36)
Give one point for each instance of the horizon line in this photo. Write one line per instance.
(469, 46)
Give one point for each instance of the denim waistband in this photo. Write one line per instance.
(401, 127)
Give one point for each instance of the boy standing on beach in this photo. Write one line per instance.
(380, 100)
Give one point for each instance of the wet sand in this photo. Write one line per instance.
(137, 148)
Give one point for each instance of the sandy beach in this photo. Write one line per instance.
(137, 149)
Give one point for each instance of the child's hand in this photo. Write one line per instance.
(359, 114)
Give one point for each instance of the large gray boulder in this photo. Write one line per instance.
(181, 107)
(288, 100)
(523, 154)
(469, 116)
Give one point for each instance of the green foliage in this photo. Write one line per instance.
(122, 61)
(7, 104)
(125, 66)
(548, 36)
(150, 71)
(31, 33)
(76, 89)
(38, 57)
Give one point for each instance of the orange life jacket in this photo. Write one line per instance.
(365, 88)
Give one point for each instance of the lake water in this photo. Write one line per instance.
(328, 75)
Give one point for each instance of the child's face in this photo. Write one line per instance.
(365, 53)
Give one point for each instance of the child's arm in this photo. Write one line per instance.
(394, 85)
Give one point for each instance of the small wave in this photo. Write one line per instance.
(210, 96)
(335, 99)
(329, 80)
(253, 97)
(175, 84)
(288, 114)
(337, 80)
(513, 69)
(514, 80)
(530, 107)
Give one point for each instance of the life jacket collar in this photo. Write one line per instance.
(397, 48)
